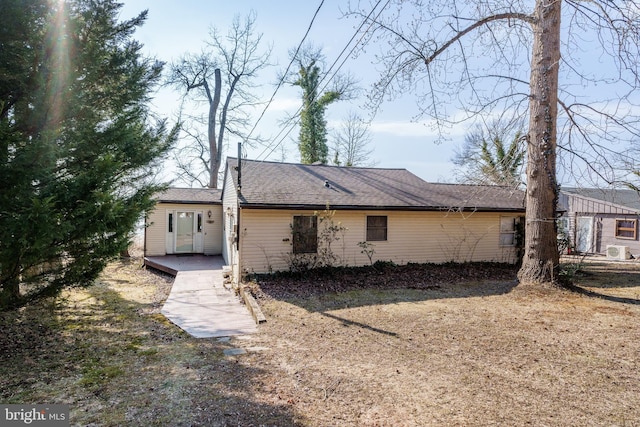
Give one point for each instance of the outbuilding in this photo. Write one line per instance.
(601, 221)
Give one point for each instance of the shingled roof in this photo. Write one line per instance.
(291, 185)
(191, 196)
(621, 197)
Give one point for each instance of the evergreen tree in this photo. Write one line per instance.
(500, 165)
(485, 157)
(77, 143)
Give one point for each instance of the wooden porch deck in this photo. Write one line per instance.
(172, 264)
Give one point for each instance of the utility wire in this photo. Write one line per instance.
(287, 70)
(296, 115)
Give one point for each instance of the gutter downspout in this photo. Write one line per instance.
(238, 194)
(144, 245)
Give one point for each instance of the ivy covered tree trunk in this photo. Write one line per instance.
(313, 126)
(540, 252)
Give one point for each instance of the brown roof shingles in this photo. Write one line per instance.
(190, 196)
(272, 184)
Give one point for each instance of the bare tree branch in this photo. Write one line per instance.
(226, 69)
(470, 59)
(351, 142)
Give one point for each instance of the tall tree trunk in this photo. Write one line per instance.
(223, 125)
(214, 163)
(540, 252)
(10, 286)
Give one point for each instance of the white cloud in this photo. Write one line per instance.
(414, 129)
(285, 104)
(402, 128)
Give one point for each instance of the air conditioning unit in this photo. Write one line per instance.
(618, 252)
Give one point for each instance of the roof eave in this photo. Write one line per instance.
(190, 202)
(377, 207)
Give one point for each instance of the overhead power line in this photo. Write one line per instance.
(315, 15)
(294, 120)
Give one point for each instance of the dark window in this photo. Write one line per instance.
(170, 223)
(199, 223)
(626, 228)
(305, 234)
(376, 228)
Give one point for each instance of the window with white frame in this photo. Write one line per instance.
(508, 230)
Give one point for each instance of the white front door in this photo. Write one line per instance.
(584, 234)
(184, 232)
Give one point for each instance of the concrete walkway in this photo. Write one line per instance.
(199, 303)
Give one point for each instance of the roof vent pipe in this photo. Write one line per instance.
(326, 184)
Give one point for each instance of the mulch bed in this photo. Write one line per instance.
(380, 276)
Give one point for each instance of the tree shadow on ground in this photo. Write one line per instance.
(609, 281)
(116, 361)
(606, 275)
(593, 294)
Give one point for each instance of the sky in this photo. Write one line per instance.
(174, 28)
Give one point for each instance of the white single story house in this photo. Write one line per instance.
(269, 214)
(601, 221)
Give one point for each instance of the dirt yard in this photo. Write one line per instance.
(397, 347)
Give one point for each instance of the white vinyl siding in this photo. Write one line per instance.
(412, 237)
(230, 218)
(157, 233)
(212, 229)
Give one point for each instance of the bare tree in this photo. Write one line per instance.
(482, 56)
(351, 142)
(223, 72)
(485, 157)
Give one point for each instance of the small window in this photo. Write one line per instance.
(508, 231)
(626, 228)
(170, 221)
(376, 228)
(199, 223)
(305, 234)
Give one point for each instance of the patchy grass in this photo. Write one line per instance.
(109, 353)
(464, 352)
(413, 347)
